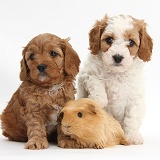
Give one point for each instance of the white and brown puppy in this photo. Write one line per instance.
(113, 72)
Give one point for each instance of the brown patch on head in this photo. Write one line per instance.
(104, 41)
(132, 36)
(146, 44)
(95, 35)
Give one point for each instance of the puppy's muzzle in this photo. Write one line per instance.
(118, 58)
(41, 67)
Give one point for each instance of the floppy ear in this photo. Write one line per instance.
(146, 44)
(95, 35)
(24, 68)
(72, 60)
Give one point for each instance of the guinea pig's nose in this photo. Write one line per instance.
(67, 126)
(41, 67)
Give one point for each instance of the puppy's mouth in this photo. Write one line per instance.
(117, 64)
(42, 76)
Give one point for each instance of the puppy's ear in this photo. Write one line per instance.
(146, 44)
(72, 60)
(24, 68)
(95, 35)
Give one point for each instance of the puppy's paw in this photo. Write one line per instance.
(103, 101)
(37, 143)
(134, 139)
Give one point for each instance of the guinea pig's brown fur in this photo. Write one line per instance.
(83, 124)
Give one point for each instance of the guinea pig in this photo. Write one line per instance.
(84, 124)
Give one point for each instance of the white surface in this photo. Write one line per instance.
(21, 20)
(147, 151)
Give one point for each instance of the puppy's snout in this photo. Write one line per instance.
(118, 58)
(41, 67)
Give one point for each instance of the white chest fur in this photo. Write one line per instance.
(123, 89)
(51, 125)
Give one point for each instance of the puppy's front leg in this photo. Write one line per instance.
(132, 121)
(94, 87)
(36, 132)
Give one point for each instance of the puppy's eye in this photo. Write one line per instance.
(79, 114)
(131, 42)
(31, 57)
(53, 54)
(109, 40)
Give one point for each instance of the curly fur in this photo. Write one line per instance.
(84, 124)
(113, 72)
(48, 71)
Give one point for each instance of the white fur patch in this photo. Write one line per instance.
(54, 89)
(53, 119)
(119, 24)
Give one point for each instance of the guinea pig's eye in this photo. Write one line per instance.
(131, 42)
(79, 114)
(109, 40)
(31, 57)
(53, 54)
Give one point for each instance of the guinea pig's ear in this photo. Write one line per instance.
(72, 60)
(146, 44)
(60, 117)
(91, 108)
(24, 71)
(95, 35)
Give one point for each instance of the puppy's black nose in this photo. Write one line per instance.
(41, 67)
(117, 58)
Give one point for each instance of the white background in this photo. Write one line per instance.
(21, 20)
